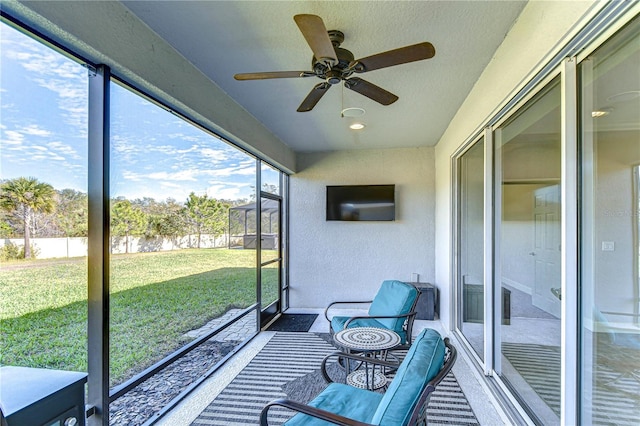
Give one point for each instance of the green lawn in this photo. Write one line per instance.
(155, 299)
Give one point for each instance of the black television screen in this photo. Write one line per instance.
(361, 202)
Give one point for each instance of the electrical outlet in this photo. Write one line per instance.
(608, 246)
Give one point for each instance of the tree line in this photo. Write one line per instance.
(31, 208)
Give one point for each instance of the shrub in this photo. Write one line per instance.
(11, 251)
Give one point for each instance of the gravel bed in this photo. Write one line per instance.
(142, 402)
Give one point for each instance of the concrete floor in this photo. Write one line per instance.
(479, 397)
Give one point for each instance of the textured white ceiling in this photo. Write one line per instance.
(223, 38)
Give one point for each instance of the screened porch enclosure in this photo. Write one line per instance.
(242, 225)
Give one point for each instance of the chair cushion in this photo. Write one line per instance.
(338, 322)
(393, 298)
(338, 398)
(422, 363)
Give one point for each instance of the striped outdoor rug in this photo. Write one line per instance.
(540, 367)
(616, 398)
(288, 367)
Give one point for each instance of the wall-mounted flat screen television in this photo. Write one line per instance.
(361, 202)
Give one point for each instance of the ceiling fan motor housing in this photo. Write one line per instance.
(333, 76)
(336, 37)
(339, 71)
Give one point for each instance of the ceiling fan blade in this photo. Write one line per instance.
(314, 31)
(273, 74)
(313, 97)
(403, 55)
(370, 90)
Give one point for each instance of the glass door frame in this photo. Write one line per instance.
(566, 70)
(494, 329)
(485, 136)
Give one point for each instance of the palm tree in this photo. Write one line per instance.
(25, 196)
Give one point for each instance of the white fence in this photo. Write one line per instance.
(47, 248)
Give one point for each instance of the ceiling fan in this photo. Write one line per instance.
(334, 64)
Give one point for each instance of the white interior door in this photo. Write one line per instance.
(547, 249)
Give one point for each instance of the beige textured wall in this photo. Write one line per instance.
(342, 260)
(615, 288)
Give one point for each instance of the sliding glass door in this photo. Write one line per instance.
(508, 246)
(610, 250)
(547, 235)
(470, 242)
(528, 253)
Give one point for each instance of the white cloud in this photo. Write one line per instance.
(56, 157)
(54, 72)
(178, 185)
(121, 144)
(183, 137)
(183, 175)
(156, 190)
(217, 155)
(233, 171)
(35, 130)
(21, 136)
(224, 192)
(65, 149)
(171, 150)
(172, 185)
(72, 99)
(132, 176)
(12, 137)
(230, 190)
(33, 143)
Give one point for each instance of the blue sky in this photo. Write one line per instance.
(43, 133)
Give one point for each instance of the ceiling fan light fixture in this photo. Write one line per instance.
(352, 112)
(357, 126)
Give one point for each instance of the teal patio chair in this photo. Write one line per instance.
(392, 308)
(404, 403)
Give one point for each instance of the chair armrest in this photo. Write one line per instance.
(356, 357)
(326, 315)
(450, 359)
(309, 410)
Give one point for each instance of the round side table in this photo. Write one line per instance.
(373, 343)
